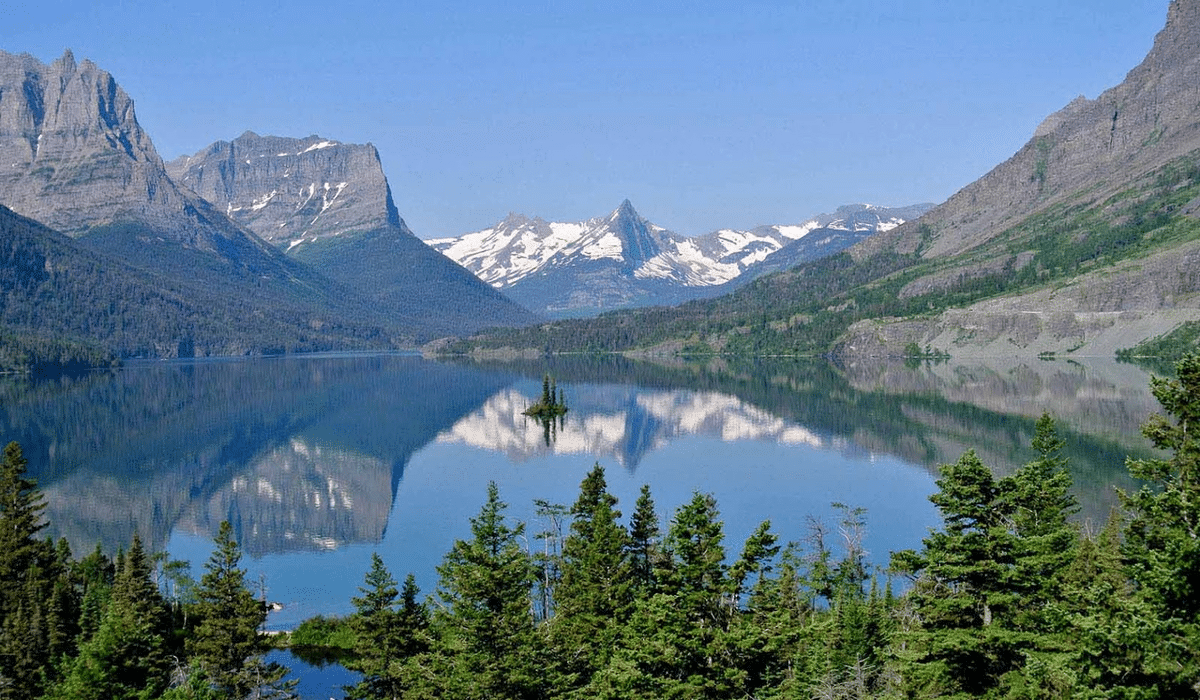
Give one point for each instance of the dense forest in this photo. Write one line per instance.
(1010, 598)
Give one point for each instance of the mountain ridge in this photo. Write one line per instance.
(79, 161)
(328, 204)
(1080, 243)
(622, 259)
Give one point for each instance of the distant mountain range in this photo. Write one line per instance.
(342, 271)
(1086, 241)
(623, 260)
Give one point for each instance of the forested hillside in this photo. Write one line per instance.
(1084, 241)
(1008, 599)
(57, 288)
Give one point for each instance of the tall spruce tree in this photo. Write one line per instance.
(389, 628)
(962, 588)
(27, 577)
(595, 597)
(644, 540)
(485, 641)
(227, 644)
(674, 640)
(1162, 539)
(127, 656)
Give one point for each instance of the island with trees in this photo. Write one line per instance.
(1009, 598)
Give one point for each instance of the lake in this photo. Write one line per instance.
(318, 461)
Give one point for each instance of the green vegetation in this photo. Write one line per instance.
(44, 357)
(1008, 599)
(552, 403)
(805, 310)
(64, 304)
(1158, 354)
(100, 628)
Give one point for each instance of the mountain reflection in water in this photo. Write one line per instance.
(307, 455)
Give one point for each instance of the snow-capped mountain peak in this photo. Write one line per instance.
(622, 259)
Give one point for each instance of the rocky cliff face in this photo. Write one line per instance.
(1101, 144)
(73, 152)
(1085, 172)
(75, 158)
(328, 204)
(292, 191)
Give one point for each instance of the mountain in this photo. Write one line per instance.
(328, 204)
(54, 287)
(291, 191)
(78, 161)
(827, 234)
(622, 260)
(1086, 241)
(1092, 227)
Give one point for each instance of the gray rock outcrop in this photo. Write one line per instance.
(1102, 144)
(292, 191)
(73, 157)
(1078, 159)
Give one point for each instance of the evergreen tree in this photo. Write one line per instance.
(21, 519)
(486, 644)
(1162, 539)
(93, 575)
(674, 644)
(27, 577)
(644, 544)
(126, 657)
(385, 635)
(962, 588)
(227, 645)
(1039, 498)
(595, 596)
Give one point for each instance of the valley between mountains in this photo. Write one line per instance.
(1086, 242)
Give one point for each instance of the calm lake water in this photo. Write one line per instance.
(320, 461)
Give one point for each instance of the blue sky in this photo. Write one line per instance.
(704, 114)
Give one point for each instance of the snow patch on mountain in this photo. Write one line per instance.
(520, 247)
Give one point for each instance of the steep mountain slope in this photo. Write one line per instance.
(328, 204)
(291, 191)
(1086, 241)
(55, 287)
(77, 160)
(1108, 189)
(623, 260)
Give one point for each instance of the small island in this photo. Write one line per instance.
(552, 404)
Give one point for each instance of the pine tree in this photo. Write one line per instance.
(126, 657)
(21, 519)
(674, 641)
(27, 577)
(385, 635)
(1162, 538)
(227, 644)
(595, 596)
(486, 639)
(644, 544)
(1039, 498)
(962, 589)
